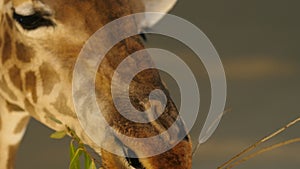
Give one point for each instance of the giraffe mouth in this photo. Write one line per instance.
(134, 163)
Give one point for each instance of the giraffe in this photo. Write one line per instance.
(39, 44)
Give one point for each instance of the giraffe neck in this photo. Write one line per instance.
(21, 85)
(11, 61)
(36, 79)
(26, 81)
(33, 84)
(13, 118)
(12, 128)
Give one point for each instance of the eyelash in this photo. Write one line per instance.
(33, 21)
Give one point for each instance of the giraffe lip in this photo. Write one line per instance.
(134, 163)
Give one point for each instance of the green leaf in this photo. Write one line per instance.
(54, 119)
(92, 166)
(87, 160)
(75, 162)
(58, 134)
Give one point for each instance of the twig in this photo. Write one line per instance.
(259, 142)
(263, 151)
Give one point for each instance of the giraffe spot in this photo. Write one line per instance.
(9, 21)
(12, 107)
(0, 123)
(30, 85)
(4, 87)
(6, 51)
(21, 125)
(62, 107)
(0, 40)
(11, 156)
(6, 1)
(30, 108)
(24, 53)
(15, 77)
(49, 78)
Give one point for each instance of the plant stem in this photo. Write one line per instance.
(259, 142)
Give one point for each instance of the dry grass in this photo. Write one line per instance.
(238, 159)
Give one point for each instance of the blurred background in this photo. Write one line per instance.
(258, 44)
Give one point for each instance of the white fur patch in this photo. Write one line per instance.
(25, 9)
(29, 8)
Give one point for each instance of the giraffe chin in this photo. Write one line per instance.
(179, 157)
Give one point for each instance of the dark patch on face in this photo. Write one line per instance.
(30, 108)
(49, 77)
(6, 52)
(12, 107)
(15, 77)
(4, 87)
(0, 38)
(134, 162)
(24, 53)
(21, 125)
(31, 84)
(48, 113)
(61, 106)
(0, 123)
(9, 21)
(12, 155)
(6, 1)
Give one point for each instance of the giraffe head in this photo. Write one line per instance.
(46, 37)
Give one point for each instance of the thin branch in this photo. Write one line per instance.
(263, 151)
(259, 142)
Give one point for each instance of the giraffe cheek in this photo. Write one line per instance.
(7, 48)
(49, 78)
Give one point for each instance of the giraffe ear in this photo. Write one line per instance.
(163, 6)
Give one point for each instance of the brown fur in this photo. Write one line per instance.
(111, 161)
(12, 151)
(24, 54)
(9, 21)
(49, 77)
(7, 49)
(61, 106)
(31, 84)
(13, 107)
(30, 108)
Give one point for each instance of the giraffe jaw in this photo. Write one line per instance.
(123, 160)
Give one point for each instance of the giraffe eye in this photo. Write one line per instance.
(33, 21)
